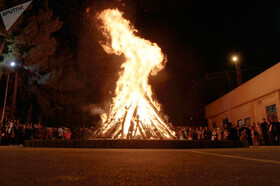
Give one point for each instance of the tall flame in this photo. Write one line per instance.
(133, 113)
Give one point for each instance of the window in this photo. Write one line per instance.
(239, 122)
(247, 122)
(271, 111)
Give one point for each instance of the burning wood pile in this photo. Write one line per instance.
(133, 114)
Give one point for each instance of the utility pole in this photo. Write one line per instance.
(5, 100)
(3, 46)
(238, 71)
(3, 43)
(14, 98)
(30, 113)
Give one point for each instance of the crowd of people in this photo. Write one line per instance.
(12, 132)
(265, 133)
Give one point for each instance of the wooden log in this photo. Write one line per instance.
(122, 131)
(108, 121)
(112, 129)
(140, 130)
(97, 132)
(152, 132)
(126, 110)
(157, 132)
(165, 127)
(154, 108)
(137, 124)
(159, 115)
(147, 130)
(109, 118)
(132, 124)
(130, 130)
(117, 134)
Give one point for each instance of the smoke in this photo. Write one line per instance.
(94, 109)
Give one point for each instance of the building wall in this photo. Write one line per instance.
(248, 100)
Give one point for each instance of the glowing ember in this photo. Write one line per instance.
(133, 114)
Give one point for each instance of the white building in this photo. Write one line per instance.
(256, 99)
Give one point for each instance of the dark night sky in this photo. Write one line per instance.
(217, 29)
(198, 36)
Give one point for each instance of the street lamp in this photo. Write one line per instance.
(238, 70)
(10, 65)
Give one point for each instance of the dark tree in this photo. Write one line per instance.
(31, 44)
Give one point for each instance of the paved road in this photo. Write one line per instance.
(49, 166)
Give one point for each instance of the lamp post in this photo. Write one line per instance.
(238, 70)
(12, 65)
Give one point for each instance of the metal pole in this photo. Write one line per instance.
(4, 107)
(14, 97)
(3, 43)
(238, 73)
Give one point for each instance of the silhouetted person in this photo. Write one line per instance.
(275, 131)
(270, 133)
(249, 134)
(264, 131)
(207, 134)
(233, 133)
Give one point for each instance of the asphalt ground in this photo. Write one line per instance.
(50, 166)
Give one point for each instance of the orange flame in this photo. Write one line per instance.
(133, 113)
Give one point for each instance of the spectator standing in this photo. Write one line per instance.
(49, 134)
(200, 133)
(270, 134)
(207, 133)
(18, 135)
(185, 133)
(254, 134)
(226, 134)
(28, 132)
(190, 135)
(12, 134)
(60, 133)
(233, 133)
(55, 133)
(180, 135)
(67, 134)
(243, 136)
(275, 131)
(260, 134)
(36, 131)
(195, 134)
(265, 131)
(23, 131)
(80, 134)
(214, 134)
(219, 133)
(41, 132)
(249, 135)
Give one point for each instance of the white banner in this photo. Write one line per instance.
(10, 16)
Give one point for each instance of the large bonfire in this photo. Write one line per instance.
(133, 113)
